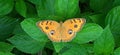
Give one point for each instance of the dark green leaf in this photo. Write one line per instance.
(66, 8)
(26, 44)
(5, 47)
(7, 25)
(31, 11)
(45, 8)
(104, 45)
(6, 6)
(35, 1)
(21, 7)
(113, 19)
(101, 5)
(116, 3)
(98, 18)
(117, 51)
(88, 33)
(18, 29)
(30, 27)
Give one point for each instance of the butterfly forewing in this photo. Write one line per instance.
(70, 27)
(51, 28)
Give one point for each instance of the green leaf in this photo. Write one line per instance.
(26, 44)
(66, 8)
(31, 11)
(6, 24)
(116, 3)
(6, 53)
(104, 45)
(21, 7)
(18, 29)
(58, 46)
(117, 51)
(88, 33)
(45, 8)
(49, 45)
(75, 50)
(101, 5)
(30, 27)
(5, 47)
(113, 19)
(98, 19)
(6, 6)
(60, 8)
(34, 1)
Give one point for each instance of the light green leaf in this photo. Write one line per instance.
(26, 44)
(75, 50)
(88, 33)
(104, 45)
(30, 27)
(58, 46)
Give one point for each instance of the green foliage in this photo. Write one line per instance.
(6, 6)
(21, 7)
(113, 19)
(117, 51)
(5, 48)
(104, 45)
(19, 34)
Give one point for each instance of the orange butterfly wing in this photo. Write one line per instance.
(51, 28)
(70, 27)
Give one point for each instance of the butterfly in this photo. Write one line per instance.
(63, 31)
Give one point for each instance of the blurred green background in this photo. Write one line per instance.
(19, 34)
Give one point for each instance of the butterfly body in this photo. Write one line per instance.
(63, 31)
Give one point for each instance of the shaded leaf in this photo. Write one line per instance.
(116, 3)
(98, 19)
(6, 24)
(101, 5)
(35, 1)
(117, 51)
